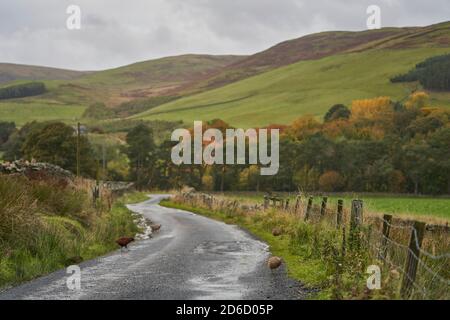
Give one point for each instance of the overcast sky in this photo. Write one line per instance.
(119, 32)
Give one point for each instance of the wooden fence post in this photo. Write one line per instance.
(286, 205)
(95, 194)
(297, 204)
(308, 208)
(266, 202)
(415, 243)
(323, 207)
(387, 220)
(356, 219)
(340, 210)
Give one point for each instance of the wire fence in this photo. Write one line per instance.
(415, 254)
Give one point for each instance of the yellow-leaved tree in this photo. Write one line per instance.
(380, 108)
(417, 100)
(375, 115)
(304, 127)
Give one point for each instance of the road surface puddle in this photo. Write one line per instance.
(228, 262)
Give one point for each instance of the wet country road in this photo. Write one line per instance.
(192, 257)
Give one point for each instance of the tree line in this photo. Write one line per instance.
(432, 74)
(374, 145)
(22, 90)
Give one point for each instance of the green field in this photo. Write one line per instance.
(307, 87)
(22, 111)
(423, 206)
(437, 207)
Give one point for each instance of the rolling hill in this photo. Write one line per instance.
(320, 45)
(158, 77)
(11, 72)
(305, 75)
(311, 86)
(140, 80)
(67, 100)
(306, 87)
(310, 47)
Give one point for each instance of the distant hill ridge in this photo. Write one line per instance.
(303, 75)
(11, 72)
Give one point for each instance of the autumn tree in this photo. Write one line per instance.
(306, 178)
(6, 129)
(249, 178)
(56, 143)
(417, 100)
(376, 109)
(338, 111)
(13, 147)
(331, 181)
(439, 143)
(304, 127)
(396, 181)
(415, 162)
(140, 152)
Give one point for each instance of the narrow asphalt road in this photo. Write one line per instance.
(191, 257)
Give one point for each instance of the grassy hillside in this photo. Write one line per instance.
(307, 87)
(24, 111)
(143, 79)
(10, 72)
(309, 47)
(324, 44)
(66, 100)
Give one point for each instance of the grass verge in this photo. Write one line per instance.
(45, 227)
(333, 259)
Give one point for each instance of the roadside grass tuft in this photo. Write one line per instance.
(44, 228)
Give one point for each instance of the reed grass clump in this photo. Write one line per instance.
(46, 225)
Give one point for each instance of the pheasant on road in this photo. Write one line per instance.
(124, 242)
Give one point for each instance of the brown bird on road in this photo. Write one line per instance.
(155, 227)
(124, 242)
(274, 262)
